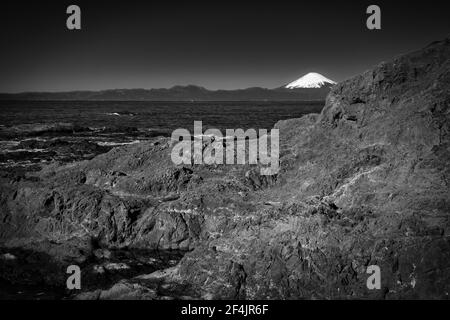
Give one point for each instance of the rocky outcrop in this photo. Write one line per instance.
(363, 183)
(366, 182)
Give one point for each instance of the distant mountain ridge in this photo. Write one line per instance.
(179, 93)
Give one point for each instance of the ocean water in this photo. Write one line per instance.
(93, 127)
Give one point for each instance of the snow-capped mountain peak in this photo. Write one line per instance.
(310, 80)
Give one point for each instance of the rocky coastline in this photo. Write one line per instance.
(365, 182)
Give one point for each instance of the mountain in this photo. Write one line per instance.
(179, 93)
(311, 80)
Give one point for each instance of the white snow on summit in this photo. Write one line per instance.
(310, 80)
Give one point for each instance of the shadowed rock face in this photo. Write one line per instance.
(366, 182)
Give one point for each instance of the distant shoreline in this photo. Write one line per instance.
(161, 101)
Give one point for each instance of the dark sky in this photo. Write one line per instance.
(216, 44)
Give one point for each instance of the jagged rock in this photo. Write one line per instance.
(376, 159)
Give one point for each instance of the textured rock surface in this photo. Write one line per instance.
(365, 182)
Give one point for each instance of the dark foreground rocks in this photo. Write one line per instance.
(366, 182)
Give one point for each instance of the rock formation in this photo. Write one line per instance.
(366, 182)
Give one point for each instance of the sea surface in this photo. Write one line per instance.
(37, 132)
